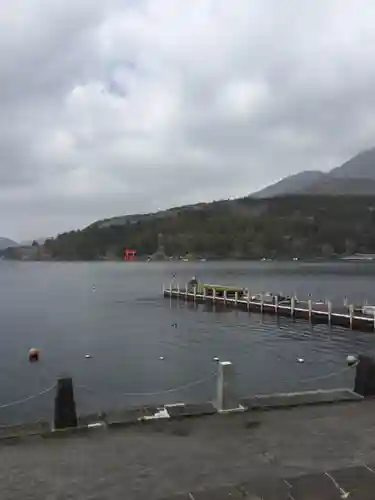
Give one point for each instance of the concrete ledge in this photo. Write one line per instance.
(149, 415)
(285, 400)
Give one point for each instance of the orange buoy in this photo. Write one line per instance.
(34, 355)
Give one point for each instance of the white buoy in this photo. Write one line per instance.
(351, 360)
(215, 358)
(161, 358)
(88, 356)
(300, 360)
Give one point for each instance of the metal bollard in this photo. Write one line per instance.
(65, 406)
(292, 305)
(329, 306)
(351, 312)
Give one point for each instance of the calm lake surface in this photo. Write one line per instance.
(126, 325)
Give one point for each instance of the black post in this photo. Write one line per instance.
(365, 376)
(65, 406)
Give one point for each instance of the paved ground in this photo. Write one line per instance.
(195, 456)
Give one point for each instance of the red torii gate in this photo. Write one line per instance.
(130, 254)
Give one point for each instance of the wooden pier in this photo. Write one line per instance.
(348, 315)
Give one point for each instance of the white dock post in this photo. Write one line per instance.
(214, 295)
(225, 296)
(310, 309)
(170, 289)
(236, 298)
(178, 288)
(261, 302)
(351, 311)
(292, 305)
(276, 304)
(374, 318)
(329, 312)
(248, 301)
(226, 400)
(195, 294)
(204, 293)
(186, 291)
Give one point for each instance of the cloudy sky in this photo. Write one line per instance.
(120, 106)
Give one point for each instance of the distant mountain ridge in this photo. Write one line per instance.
(291, 184)
(355, 177)
(7, 242)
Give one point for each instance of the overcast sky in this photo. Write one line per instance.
(116, 107)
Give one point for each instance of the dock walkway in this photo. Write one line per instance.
(345, 316)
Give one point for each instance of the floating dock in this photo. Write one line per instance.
(347, 315)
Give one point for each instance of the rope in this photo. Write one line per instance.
(174, 389)
(29, 398)
(333, 374)
(320, 377)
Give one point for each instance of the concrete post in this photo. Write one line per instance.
(214, 294)
(236, 298)
(178, 288)
(186, 291)
(195, 294)
(276, 304)
(310, 309)
(248, 301)
(204, 293)
(261, 302)
(170, 289)
(65, 407)
(225, 296)
(292, 305)
(226, 401)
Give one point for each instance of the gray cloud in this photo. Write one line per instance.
(123, 107)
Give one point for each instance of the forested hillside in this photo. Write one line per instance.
(302, 226)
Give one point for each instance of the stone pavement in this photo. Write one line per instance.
(354, 483)
(319, 452)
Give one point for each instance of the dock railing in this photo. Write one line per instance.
(359, 317)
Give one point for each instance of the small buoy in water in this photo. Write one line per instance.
(161, 357)
(88, 356)
(300, 360)
(34, 355)
(215, 358)
(94, 288)
(351, 360)
(174, 325)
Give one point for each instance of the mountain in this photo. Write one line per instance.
(6, 242)
(280, 227)
(361, 166)
(336, 186)
(291, 184)
(355, 177)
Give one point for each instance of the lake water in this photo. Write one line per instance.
(126, 325)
